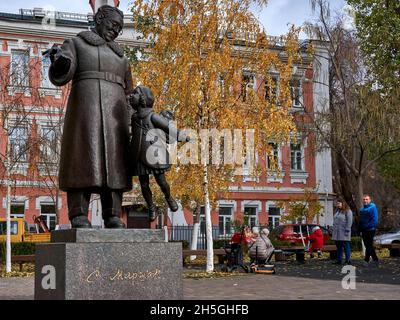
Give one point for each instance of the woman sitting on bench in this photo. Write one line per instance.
(262, 249)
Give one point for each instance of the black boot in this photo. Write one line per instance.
(114, 222)
(80, 222)
(152, 213)
(172, 204)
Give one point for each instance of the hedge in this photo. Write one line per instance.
(17, 248)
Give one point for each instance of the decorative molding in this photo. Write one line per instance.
(245, 189)
(20, 168)
(228, 203)
(17, 199)
(298, 177)
(276, 177)
(48, 169)
(251, 203)
(47, 200)
(56, 92)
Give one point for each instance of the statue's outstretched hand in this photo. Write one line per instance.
(54, 52)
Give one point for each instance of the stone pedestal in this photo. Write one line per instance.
(129, 264)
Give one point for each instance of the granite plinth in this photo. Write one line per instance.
(107, 235)
(102, 265)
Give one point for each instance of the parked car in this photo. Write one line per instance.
(293, 232)
(392, 236)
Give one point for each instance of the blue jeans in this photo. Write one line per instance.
(340, 245)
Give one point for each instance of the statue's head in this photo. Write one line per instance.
(141, 97)
(109, 22)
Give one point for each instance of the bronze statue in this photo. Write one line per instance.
(151, 133)
(94, 147)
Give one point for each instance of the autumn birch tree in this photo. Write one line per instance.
(199, 61)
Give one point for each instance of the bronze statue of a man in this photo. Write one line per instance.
(94, 147)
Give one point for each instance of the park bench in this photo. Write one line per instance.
(299, 251)
(394, 248)
(23, 259)
(220, 253)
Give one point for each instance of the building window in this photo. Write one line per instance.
(13, 229)
(18, 144)
(49, 144)
(46, 83)
(273, 156)
(271, 89)
(225, 221)
(247, 86)
(48, 212)
(274, 216)
(19, 68)
(250, 214)
(296, 157)
(296, 93)
(17, 210)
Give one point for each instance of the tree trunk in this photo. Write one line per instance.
(8, 236)
(56, 208)
(196, 227)
(360, 193)
(360, 190)
(8, 220)
(207, 207)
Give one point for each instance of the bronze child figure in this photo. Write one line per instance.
(151, 133)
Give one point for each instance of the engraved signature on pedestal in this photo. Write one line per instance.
(121, 275)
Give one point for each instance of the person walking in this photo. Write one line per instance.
(367, 227)
(341, 233)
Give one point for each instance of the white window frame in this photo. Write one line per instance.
(275, 78)
(13, 125)
(299, 176)
(253, 204)
(22, 80)
(274, 217)
(18, 202)
(46, 83)
(251, 84)
(302, 162)
(298, 87)
(51, 155)
(224, 234)
(275, 176)
(48, 215)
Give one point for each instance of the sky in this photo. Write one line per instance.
(275, 17)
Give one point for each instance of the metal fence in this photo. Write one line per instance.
(185, 233)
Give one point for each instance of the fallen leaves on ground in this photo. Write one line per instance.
(27, 271)
(211, 275)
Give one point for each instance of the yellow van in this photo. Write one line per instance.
(19, 233)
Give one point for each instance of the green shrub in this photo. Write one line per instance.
(185, 244)
(355, 244)
(220, 243)
(17, 249)
(329, 242)
(279, 243)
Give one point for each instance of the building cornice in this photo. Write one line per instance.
(52, 35)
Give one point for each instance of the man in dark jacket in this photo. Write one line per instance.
(94, 147)
(368, 224)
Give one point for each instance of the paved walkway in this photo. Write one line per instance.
(245, 287)
(257, 286)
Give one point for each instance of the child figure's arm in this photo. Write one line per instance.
(167, 126)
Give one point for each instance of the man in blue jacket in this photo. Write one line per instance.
(368, 224)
